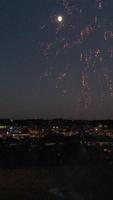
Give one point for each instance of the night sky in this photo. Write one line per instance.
(56, 59)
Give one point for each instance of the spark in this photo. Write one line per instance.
(60, 18)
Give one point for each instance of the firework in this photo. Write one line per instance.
(87, 38)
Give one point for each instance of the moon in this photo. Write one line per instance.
(60, 18)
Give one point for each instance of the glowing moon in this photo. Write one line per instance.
(60, 18)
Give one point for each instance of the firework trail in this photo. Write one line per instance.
(90, 37)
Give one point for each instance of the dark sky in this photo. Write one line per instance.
(53, 69)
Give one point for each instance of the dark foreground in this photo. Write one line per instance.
(89, 181)
(56, 169)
